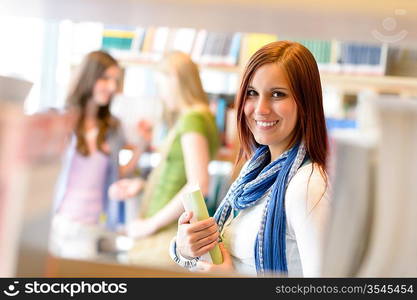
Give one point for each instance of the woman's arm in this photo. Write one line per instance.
(144, 131)
(130, 167)
(308, 207)
(196, 158)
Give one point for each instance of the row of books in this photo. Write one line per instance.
(234, 49)
(152, 43)
(347, 57)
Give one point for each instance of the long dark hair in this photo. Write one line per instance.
(92, 68)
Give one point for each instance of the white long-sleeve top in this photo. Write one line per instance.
(307, 207)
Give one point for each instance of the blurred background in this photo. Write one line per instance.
(367, 56)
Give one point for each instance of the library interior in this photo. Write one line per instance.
(152, 52)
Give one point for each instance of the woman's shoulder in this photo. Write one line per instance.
(310, 171)
(308, 186)
(195, 120)
(197, 112)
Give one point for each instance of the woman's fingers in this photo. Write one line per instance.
(197, 238)
(225, 253)
(201, 225)
(203, 250)
(207, 240)
(200, 235)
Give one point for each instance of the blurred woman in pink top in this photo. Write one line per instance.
(91, 162)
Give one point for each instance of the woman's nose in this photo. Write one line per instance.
(262, 106)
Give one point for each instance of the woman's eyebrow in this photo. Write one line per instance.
(271, 89)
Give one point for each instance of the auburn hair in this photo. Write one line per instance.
(303, 78)
(92, 68)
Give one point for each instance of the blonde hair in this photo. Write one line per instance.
(187, 80)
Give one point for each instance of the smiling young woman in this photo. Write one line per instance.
(270, 109)
(272, 219)
(299, 74)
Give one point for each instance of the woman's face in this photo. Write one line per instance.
(270, 109)
(106, 86)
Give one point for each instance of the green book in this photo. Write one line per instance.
(194, 201)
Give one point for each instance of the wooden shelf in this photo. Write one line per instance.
(143, 61)
(394, 84)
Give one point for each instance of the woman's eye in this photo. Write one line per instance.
(250, 93)
(278, 94)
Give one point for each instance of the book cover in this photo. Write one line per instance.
(194, 201)
(198, 46)
(252, 42)
(183, 40)
(232, 57)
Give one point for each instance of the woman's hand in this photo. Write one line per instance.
(125, 188)
(226, 267)
(144, 130)
(141, 228)
(196, 239)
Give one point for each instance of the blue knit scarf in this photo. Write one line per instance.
(258, 178)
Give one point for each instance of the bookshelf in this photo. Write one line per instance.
(349, 68)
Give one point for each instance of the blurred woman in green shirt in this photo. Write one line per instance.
(190, 145)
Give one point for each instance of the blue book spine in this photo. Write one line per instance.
(221, 114)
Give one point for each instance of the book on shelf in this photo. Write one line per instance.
(251, 42)
(225, 114)
(401, 62)
(123, 42)
(232, 57)
(181, 39)
(322, 52)
(221, 114)
(137, 42)
(366, 59)
(160, 39)
(338, 57)
(154, 43)
(147, 42)
(198, 45)
(217, 49)
(120, 38)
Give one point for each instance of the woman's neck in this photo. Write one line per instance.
(278, 150)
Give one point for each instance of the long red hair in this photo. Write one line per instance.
(303, 78)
